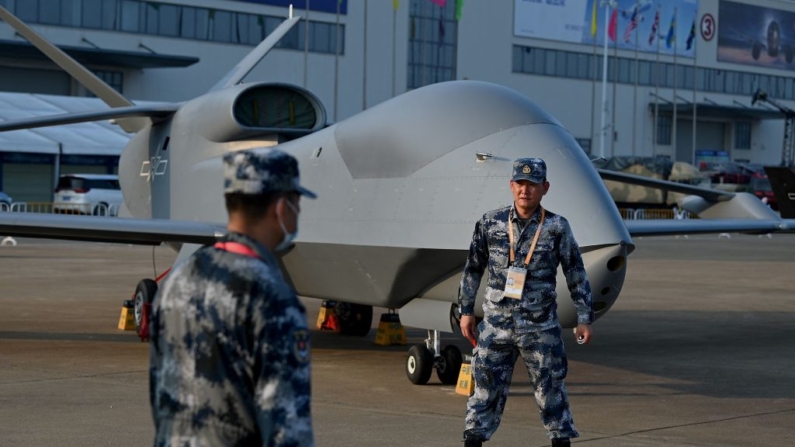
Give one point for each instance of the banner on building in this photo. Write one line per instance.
(667, 26)
(758, 36)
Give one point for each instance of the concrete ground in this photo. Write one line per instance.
(698, 351)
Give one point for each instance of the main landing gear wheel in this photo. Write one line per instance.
(422, 359)
(448, 365)
(354, 319)
(419, 364)
(142, 306)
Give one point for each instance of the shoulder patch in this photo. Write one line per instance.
(301, 346)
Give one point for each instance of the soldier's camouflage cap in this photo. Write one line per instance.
(530, 169)
(262, 171)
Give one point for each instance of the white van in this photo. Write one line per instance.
(95, 194)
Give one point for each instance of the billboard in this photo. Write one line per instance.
(758, 36)
(667, 26)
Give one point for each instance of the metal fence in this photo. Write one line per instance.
(655, 214)
(100, 209)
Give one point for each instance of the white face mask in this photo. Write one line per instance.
(288, 237)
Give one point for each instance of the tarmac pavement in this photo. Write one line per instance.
(699, 350)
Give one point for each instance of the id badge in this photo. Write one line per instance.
(514, 283)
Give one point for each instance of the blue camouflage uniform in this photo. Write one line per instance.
(230, 363)
(526, 327)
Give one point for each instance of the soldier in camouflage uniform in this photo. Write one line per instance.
(524, 324)
(229, 338)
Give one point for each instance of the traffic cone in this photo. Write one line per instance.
(327, 319)
(127, 318)
(390, 331)
(465, 385)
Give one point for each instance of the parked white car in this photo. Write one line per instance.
(95, 194)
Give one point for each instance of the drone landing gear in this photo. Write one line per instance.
(423, 358)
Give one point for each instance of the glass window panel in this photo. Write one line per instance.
(110, 14)
(202, 23)
(584, 66)
(624, 70)
(168, 21)
(187, 22)
(742, 135)
(539, 60)
(560, 63)
(129, 16)
(789, 92)
(296, 35)
(151, 13)
(50, 12)
(644, 73)
(221, 26)
(256, 29)
(571, 65)
(70, 12)
(664, 129)
(550, 57)
(686, 81)
(516, 59)
(92, 14)
(27, 10)
(320, 37)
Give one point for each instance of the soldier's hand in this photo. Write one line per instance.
(583, 334)
(469, 328)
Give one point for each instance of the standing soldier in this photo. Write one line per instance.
(230, 340)
(522, 246)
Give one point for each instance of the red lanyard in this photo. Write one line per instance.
(237, 248)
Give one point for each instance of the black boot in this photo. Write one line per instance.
(473, 443)
(561, 442)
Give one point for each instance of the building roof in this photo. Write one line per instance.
(99, 56)
(96, 138)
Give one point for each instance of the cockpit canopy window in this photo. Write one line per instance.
(275, 107)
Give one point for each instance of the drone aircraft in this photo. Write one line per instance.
(400, 188)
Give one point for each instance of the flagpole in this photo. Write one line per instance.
(656, 90)
(604, 83)
(364, 61)
(337, 62)
(394, 50)
(695, 106)
(423, 6)
(613, 104)
(635, 91)
(593, 89)
(306, 43)
(676, 76)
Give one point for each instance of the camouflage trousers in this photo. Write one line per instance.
(492, 369)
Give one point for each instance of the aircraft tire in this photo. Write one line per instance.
(419, 364)
(142, 300)
(354, 319)
(449, 365)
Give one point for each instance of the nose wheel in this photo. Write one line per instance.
(422, 359)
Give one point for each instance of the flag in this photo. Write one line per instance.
(670, 39)
(654, 26)
(441, 3)
(459, 7)
(692, 36)
(396, 4)
(611, 29)
(593, 20)
(633, 23)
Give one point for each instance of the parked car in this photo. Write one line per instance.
(760, 187)
(88, 194)
(5, 201)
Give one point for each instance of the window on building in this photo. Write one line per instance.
(664, 130)
(742, 135)
(433, 41)
(113, 78)
(585, 144)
